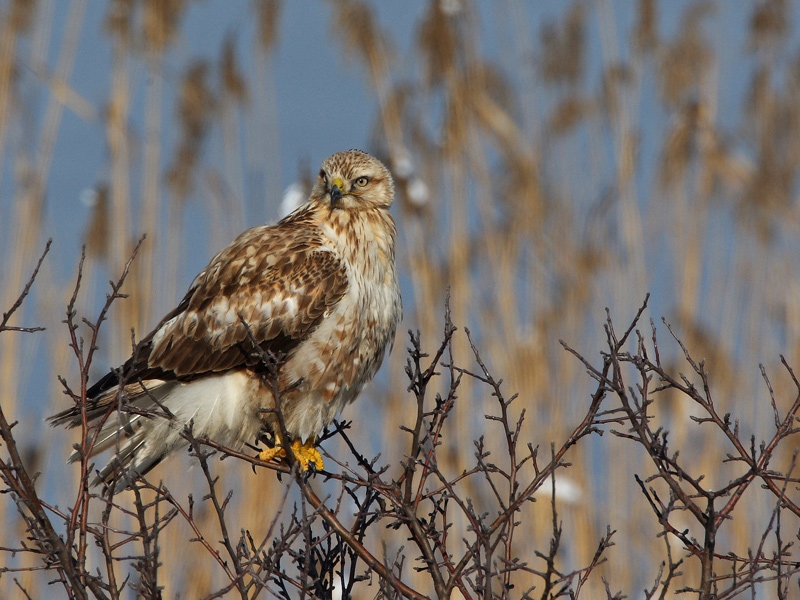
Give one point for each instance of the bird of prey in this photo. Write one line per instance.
(318, 289)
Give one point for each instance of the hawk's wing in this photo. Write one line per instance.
(281, 280)
(280, 283)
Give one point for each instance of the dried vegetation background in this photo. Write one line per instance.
(590, 161)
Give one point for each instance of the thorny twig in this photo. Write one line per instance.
(323, 540)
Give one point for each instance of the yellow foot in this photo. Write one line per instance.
(268, 454)
(305, 454)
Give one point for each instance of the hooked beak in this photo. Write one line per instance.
(336, 191)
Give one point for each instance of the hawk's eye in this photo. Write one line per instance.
(323, 177)
(362, 181)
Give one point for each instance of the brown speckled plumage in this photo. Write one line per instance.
(319, 287)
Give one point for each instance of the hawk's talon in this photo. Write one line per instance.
(306, 455)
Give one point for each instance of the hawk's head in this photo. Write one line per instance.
(353, 180)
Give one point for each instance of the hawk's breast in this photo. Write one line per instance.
(347, 348)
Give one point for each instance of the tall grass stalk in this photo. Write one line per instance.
(580, 167)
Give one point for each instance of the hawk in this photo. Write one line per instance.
(319, 289)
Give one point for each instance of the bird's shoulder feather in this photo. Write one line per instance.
(278, 281)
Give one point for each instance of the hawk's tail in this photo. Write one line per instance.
(150, 421)
(124, 419)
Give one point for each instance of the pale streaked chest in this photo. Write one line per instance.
(372, 306)
(347, 348)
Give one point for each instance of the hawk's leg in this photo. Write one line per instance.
(305, 454)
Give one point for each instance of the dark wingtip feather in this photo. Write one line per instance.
(72, 416)
(66, 417)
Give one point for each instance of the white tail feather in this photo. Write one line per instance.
(217, 406)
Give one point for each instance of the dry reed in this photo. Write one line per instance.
(535, 194)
